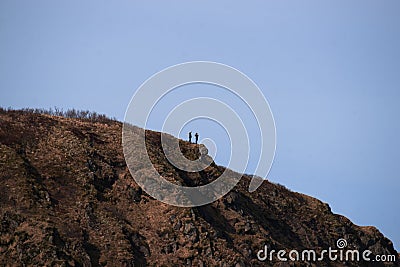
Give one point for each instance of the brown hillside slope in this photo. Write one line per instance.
(68, 199)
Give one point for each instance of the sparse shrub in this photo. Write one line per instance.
(70, 113)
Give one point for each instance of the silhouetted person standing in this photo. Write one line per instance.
(190, 137)
(197, 137)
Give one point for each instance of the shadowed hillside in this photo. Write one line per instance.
(68, 199)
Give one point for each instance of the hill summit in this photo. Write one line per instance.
(68, 199)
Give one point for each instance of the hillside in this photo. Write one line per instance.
(68, 199)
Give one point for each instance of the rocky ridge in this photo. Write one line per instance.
(68, 199)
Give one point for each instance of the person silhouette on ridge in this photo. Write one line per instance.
(197, 137)
(190, 137)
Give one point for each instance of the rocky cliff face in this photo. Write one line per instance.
(68, 199)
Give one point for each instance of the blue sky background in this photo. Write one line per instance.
(329, 69)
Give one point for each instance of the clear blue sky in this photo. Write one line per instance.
(329, 69)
